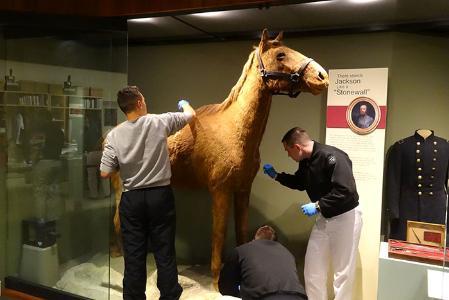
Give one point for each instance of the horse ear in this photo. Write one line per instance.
(280, 36)
(263, 45)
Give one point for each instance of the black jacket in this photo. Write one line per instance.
(54, 141)
(417, 173)
(261, 268)
(327, 177)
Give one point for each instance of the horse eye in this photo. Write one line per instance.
(280, 56)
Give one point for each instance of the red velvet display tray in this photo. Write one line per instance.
(416, 252)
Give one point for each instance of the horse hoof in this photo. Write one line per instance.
(215, 285)
(115, 251)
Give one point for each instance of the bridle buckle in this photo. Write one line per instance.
(294, 77)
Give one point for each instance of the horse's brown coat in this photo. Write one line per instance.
(220, 149)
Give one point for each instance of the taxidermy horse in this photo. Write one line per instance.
(220, 149)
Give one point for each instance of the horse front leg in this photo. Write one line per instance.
(241, 208)
(220, 212)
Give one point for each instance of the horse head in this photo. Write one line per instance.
(286, 71)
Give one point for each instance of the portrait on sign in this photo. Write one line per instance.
(363, 115)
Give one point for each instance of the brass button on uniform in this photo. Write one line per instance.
(418, 143)
(434, 159)
(419, 185)
(418, 160)
(431, 185)
(419, 169)
(433, 168)
(417, 151)
(419, 177)
(431, 193)
(434, 143)
(435, 150)
(420, 193)
(432, 177)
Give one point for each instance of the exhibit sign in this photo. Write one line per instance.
(355, 123)
(438, 284)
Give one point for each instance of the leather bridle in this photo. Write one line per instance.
(293, 78)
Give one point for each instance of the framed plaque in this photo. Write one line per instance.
(426, 233)
(363, 115)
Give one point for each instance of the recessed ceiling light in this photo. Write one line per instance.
(362, 1)
(318, 2)
(143, 20)
(211, 14)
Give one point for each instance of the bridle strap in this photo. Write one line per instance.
(292, 77)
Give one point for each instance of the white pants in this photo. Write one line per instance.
(333, 240)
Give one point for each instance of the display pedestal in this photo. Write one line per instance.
(40, 265)
(402, 279)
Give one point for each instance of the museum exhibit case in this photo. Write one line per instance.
(373, 51)
(57, 101)
(416, 217)
(410, 51)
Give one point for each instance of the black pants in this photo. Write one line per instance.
(284, 297)
(149, 214)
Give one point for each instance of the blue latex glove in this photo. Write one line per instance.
(269, 170)
(181, 104)
(309, 209)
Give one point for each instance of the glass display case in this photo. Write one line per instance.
(57, 102)
(398, 35)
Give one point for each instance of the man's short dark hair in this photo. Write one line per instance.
(266, 233)
(127, 98)
(296, 135)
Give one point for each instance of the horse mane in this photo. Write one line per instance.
(212, 108)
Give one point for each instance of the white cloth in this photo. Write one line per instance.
(19, 125)
(333, 240)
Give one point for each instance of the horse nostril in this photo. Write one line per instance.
(320, 75)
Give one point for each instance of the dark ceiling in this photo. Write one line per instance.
(318, 17)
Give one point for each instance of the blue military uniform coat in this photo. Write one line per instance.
(417, 174)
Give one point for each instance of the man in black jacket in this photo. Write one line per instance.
(261, 269)
(325, 172)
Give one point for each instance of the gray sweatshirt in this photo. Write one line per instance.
(138, 149)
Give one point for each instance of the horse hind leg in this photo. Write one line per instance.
(241, 209)
(116, 247)
(220, 212)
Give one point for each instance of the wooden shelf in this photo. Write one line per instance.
(75, 95)
(24, 105)
(24, 92)
(73, 107)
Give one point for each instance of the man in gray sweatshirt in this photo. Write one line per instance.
(138, 149)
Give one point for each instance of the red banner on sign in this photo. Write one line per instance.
(336, 117)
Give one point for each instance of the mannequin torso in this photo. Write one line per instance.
(425, 133)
